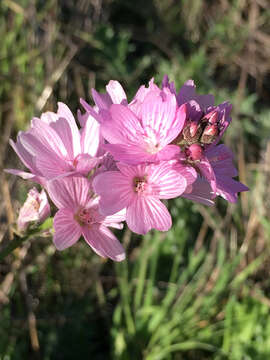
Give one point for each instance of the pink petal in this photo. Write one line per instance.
(167, 153)
(188, 172)
(123, 127)
(49, 117)
(90, 136)
(103, 242)
(64, 111)
(115, 218)
(129, 154)
(103, 101)
(82, 118)
(131, 171)
(44, 207)
(69, 192)
(144, 214)
(168, 183)
(25, 157)
(47, 162)
(67, 230)
(46, 135)
(26, 176)
(158, 114)
(115, 191)
(85, 163)
(68, 136)
(90, 110)
(116, 92)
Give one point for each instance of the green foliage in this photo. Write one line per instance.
(186, 302)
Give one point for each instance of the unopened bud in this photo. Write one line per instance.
(35, 209)
(211, 130)
(192, 132)
(211, 117)
(209, 134)
(195, 152)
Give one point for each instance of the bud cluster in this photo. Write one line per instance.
(197, 134)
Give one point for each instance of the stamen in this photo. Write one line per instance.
(139, 184)
(85, 217)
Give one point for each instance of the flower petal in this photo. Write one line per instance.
(116, 92)
(207, 172)
(103, 242)
(228, 188)
(200, 191)
(64, 111)
(102, 101)
(26, 175)
(188, 92)
(67, 230)
(129, 154)
(26, 158)
(123, 127)
(159, 114)
(115, 218)
(167, 182)
(115, 191)
(68, 136)
(69, 192)
(146, 213)
(90, 136)
(90, 110)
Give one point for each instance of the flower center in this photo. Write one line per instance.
(152, 145)
(139, 184)
(85, 217)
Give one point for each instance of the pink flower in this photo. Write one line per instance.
(138, 189)
(136, 140)
(142, 130)
(35, 209)
(78, 215)
(54, 146)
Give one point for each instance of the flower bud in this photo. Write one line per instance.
(35, 209)
(192, 132)
(195, 152)
(209, 134)
(212, 117)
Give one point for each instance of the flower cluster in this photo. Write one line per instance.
(125, 158)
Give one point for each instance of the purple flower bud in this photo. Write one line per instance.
(35, 209)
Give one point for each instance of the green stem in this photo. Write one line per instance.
(18, 240)
(14, 244)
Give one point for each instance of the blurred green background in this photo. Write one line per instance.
(200, 291)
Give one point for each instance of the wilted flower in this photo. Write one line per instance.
(35, 209)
